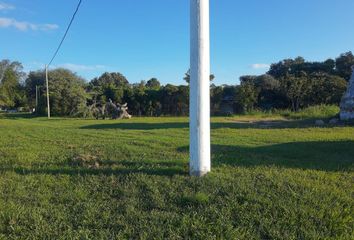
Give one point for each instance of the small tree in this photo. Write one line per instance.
(66, 91)
(153, 83)
(343, 65)
(296, 88)
(11, 90)
(246, 96)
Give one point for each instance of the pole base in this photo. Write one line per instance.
(198, 173)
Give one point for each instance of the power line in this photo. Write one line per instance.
(66, 32)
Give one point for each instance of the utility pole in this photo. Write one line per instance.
(36, 99)
(46, 79)
(200, 163)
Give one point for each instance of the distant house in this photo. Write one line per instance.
(12, 111)
(227, 105)
(3, 109)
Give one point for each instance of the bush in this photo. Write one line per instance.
(319, 111)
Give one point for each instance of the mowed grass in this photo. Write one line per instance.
(128, 179)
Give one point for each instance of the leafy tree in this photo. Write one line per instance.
(246, 97)
(66, 91)
(112, 92)
(169, 100)
(153, 99)
(187, 77)
(182, 101)
(11, 90)
(286, 66)
(290, 83)
(326, 89)
(34, 79)
(343, 65)
(301, 81)
(153, 83)
(115, 78)
(108, 86)
(298, 65)
(216, 97)
(296, 88)
(267, 89)
(139, 98)
(248, 79)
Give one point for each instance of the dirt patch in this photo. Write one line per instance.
(86, 160)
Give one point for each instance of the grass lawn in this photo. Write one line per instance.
(272, 178)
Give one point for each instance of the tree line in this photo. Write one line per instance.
(289, 84)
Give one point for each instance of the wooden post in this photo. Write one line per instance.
(46, 79)
(200, 163)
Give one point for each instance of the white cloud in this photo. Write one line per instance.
(24, 26)
(80, 67)
(260, 66)
(35, 65)
(5, 6)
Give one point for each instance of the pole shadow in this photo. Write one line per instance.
(108, 168)
(14, 116)
(325, 156)
(262, 124)
(333, 156)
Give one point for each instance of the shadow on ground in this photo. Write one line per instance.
(324, 156)
(262, 124)
(14, 116)
(106, 168)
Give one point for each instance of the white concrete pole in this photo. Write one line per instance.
(46, 80)
(199, 89)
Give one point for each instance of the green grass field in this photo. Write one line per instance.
(272, 178)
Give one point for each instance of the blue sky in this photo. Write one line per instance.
(150, 38)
